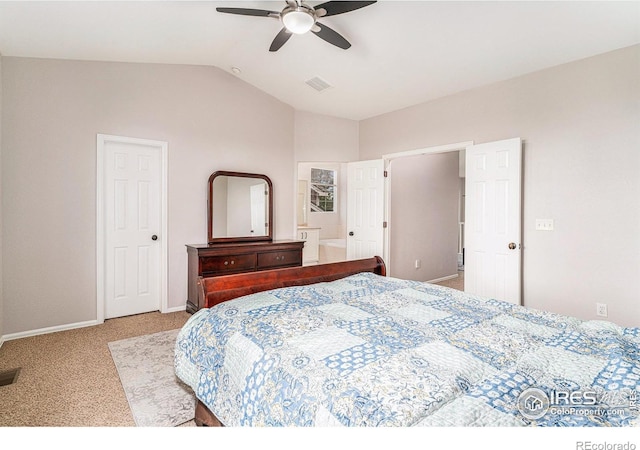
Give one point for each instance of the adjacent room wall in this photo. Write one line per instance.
(52, 111)
(320, 138)
(424, 206)
(579, 123)
(331, 224)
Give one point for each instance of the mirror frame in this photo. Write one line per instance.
(219, 240)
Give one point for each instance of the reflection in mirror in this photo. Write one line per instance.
(301, 205)
(239, 207)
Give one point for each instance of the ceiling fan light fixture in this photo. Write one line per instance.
(298, 21)
(299, 18)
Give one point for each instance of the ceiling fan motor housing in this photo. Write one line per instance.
(299, 19)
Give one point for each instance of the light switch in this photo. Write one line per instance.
(544, 224)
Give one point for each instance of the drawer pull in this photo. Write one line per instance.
(226, 263)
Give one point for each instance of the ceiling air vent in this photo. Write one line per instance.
(318, 84)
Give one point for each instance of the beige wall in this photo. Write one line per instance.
(1, 295)
(52, 111)
(579, 123)
(424, 206)
(581, 165)
(325, 138)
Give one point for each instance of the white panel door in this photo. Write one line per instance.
(258, 208)
(365, 209)
(493, 220)
(132, 214)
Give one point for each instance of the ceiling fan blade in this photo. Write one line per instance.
(280, 40)
(333, 8)
(332, 37)
(249, 12)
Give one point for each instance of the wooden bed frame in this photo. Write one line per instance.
(214, 290)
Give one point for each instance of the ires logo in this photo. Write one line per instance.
(534, 403)
(573, 398)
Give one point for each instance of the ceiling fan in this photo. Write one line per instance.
(299, 18)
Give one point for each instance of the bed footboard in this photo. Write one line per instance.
(204, 417)
(214, 290)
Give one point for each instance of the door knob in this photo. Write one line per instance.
(350, 233)
(154, 238)
(512, 245)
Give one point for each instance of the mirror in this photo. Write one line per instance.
(240, 207)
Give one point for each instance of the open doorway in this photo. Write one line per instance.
(425, 209)
(425, 196)
(491, 230)
(321, 210)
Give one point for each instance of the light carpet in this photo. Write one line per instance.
(157, 398)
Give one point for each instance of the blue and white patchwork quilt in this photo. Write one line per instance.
(369, 350)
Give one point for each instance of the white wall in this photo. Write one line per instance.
(580, 126)
(52, 111)
(424, 211)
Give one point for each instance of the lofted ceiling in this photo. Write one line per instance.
(403, 52)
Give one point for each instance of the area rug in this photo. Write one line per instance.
(157, 398)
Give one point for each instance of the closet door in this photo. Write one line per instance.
(493, 220)
(132, 240)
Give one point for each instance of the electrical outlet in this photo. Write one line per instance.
(544, 224)
(418, 263)
(601, 309)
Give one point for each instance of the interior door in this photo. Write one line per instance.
(132, 227)
(365, 209)
(258, 208)
(493, 220)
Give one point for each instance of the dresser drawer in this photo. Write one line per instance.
(227, 263)
(276, 259)
(206, 260)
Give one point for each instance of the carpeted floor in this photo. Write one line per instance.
(455, 283)
(68, 378)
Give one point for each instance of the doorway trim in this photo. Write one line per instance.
(162, 146)
(387, 158)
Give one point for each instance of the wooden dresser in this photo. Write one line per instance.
(228, 258)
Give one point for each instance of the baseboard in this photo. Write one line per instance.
(71, 326)
(438, 280)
